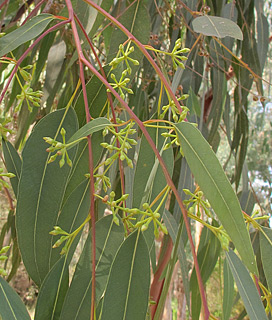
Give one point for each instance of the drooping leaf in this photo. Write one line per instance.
(207, 256)
(127, 291)
(27, 32)
(172, 228)
(81, 162)
(41, 190)
(77, 304)
(73, 213)
(56, 58)
(97, 98)
(89, 128)
(11, 306)
(136, 19)
(53, 291)
(246, 288)
(219, 89)
(13, 163)
(228, 295)
(217, 27)
(217, 188)
(149, 179)
(266, 254)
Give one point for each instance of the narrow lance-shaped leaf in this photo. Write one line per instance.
(89, 128)
(41, 190)
(109, 236)
(228, 291)
(11, 306)
(246, 288)
(217, 188)
(53, 291)
(127, 291)
(13, 163)
(266, 252)
(172, 228)
(27, 32)
(217, 27)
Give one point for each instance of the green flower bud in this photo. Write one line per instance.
(61, 162)
(4, 249)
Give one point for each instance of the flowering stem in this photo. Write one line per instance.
(60, 24)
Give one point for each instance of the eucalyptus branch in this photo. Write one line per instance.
(166, 174)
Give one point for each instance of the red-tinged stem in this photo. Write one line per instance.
(142, 49)
(3, 4)
(121, 168)
(91, 166)
(158, 282)
(167, 177)
(34, 11)
(60, 24)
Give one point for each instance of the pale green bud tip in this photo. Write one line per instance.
(163, 229)
(112, 194)
(144, 227)
(185, 50)
(3, 272)
(61, 163)
(62, 131)
(145, 206)
(4, 249)
(115, 220)
(157, 215)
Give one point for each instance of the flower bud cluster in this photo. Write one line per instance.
(196, 202)
(4, 122)
(177, 56)
(147, 215)
(3, 257)
(177, 115)
(124, 56)
(3, 183)
(30, 96)
(60, 148)
(65, 237)
(125, 143)
(121, 84)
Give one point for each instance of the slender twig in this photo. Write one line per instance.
(150, 141)
(121, 167)
(167, 177)
(91, 165)
(60, 24)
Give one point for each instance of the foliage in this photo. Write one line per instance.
(93, 121)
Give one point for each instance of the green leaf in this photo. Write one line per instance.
(11, 306)
(73, 213)
(228, 291)
(246, 288)
(52, 292)
(149, 179)
(127, 291)
(207, 256)
(172, 228)
(217, 27)
(97, 98)
(41, 190)
(136, 19)
(217, 188)
(219, 89)
(13, 163)
(109, 236)
(266, 253)
(89, 128)
(27, 32)
(81, 162)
